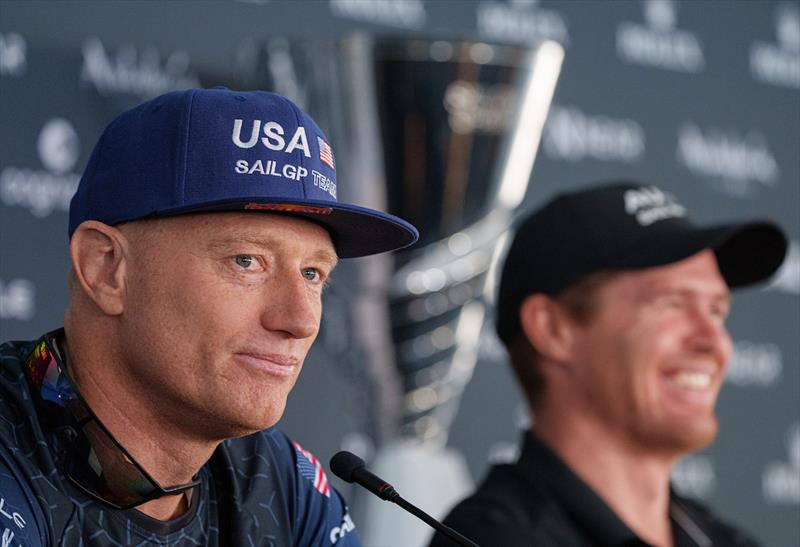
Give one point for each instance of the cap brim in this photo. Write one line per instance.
(746, 253)
(751, 253)
(356, 231)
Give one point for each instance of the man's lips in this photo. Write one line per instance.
(693, 384)
(270, 363)
(691, 380)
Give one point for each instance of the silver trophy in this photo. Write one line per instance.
(443, 134)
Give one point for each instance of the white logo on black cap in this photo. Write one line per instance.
(648, 204)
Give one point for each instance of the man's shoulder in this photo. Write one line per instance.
(12, 354)
(274, 450)
(292, 482)
(16, 407)
(12, 376)
(508, 508)
(20, 472)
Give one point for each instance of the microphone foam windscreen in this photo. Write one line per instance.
(344, 463)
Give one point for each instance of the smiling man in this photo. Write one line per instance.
(612, 305)
(201, 241)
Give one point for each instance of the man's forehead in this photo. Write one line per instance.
(223, 228)
(699, 271)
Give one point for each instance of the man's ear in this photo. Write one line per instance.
(97, 252)
(547, 327)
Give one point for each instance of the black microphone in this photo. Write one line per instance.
(351, 468)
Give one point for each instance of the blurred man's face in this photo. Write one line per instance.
(651, 360)
(221, 310)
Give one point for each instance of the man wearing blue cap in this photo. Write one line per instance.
(612, 305)
(202, 234)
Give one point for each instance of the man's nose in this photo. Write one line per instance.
(292, 308)
(709, 333)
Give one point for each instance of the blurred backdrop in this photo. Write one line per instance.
(437, 110)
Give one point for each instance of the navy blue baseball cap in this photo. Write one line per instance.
(203, 150)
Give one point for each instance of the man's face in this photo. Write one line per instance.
(221, 310)
(651, 360)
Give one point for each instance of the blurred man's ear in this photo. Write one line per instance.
(547, 327)
(98, 263)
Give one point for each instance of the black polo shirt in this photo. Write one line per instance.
(539, 501)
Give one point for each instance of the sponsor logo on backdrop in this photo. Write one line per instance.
(58, 146)
(780, 482)
(43, 191)
(131, 70)
(658, 43)
(394, 13)
(736, 164)
(779, 63)
(787, 278)
(17, 299)
(572, 135)
(694, 476)
(520, 21)
(755, 364)
(13, 54)
(502, 452)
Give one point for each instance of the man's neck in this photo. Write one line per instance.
(168, 507)
(160, 446)
(634, 483)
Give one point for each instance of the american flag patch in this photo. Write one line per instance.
(326, 153)
(311, 469)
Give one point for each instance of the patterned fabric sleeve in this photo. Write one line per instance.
(20, 515)
(322, 517)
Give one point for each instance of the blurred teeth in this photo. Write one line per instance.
(692, 380)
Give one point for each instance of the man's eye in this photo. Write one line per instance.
(244, 261)
(312, 274)
(721, 311)
(670, 301)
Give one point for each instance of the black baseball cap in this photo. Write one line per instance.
(623, 226)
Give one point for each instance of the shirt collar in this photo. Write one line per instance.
(543, 466)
